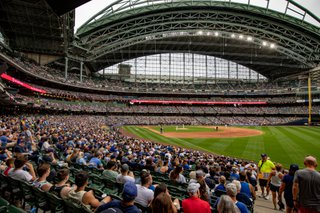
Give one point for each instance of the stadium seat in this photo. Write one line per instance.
(56, 204)
(110, 186)
(72, 207)
(41, 202)
(14, 209)
(27, 192)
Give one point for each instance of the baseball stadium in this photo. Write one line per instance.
(159, 106)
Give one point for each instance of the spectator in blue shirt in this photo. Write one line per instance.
(96, 160)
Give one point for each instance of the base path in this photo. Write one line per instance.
(224, 132)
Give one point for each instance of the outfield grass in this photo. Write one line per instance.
(283, 144)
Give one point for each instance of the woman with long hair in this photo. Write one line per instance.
(274, 182)
(286, 187)
(162, 188)
(163, 204)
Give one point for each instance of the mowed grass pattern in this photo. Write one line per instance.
(284, 144)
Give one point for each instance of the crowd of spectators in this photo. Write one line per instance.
(87, 141)
(102, 83)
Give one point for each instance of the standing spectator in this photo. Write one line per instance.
(306, 187)
(274, 183)
(286, 187)
(194, 203)
(265, 167)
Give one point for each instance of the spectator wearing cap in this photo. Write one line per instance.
(86, 198)
(126, 205)
(125, 175)
(204, 189)
(286, 187)
(232, 192)
(265, 167)
(110, 171)
(194, 203)
(96, 160)
(306, 187)
(145, 195)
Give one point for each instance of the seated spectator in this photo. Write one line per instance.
(226, 205)
(111, 171)
(96, 160)
(79, 195)
(125, 175)
(9, 166)
(221, 185)
(194, 203)
(246, 188)
(5, 154)
(176, 176)
(61, 188)
(145, 195)
(204, 189)
(163, 204)
(80, 160)
(163, 188)
(43, 172)
(234, 174)
(232, 192)
(149, 164)
(126, 205)
(19, 174)
(72, 158)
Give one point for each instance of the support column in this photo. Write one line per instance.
(81, 69)
(66, 68)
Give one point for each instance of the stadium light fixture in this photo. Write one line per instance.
(241, 36)
(264, 43)
(233, 35)
(249, 38)
(200, 32)
(216, 33)
(272, 46)
(208, 33)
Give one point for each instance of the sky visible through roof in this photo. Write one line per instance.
(89, 9)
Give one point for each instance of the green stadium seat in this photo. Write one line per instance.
(41, 201)
(72, 207)
(56, 204)
(28, 196)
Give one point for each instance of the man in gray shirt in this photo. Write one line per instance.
(306, 187)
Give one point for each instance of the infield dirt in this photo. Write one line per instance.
(224, 132)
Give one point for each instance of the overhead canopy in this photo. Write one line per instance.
(272, 43)
(32, 26)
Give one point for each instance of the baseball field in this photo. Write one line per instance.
(283, 144)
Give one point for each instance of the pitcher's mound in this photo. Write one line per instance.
(224, 132)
